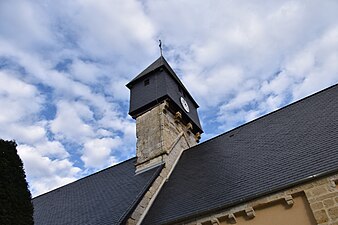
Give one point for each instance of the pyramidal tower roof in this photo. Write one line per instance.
(161, 62)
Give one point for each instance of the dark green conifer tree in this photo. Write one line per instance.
(15, 199)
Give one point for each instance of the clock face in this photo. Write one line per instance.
(184, 104)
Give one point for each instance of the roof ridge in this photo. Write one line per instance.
(265, 115)
(82, 178)
(148, 69)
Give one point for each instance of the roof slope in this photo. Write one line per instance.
(106, 197)
(161, 62)
(283, 148)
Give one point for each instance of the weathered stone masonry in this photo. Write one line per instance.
(161, 138)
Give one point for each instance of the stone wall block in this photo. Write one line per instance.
(333, 213)
(328, 202)
(143, 203)
(164, 172)
(319, 182)
(308, 194)
(316, 205)
(148, 195)
(131, 221)
(321, 216)
(135, 216)
(327, 196)
(319, 190)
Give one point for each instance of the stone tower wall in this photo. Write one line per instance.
(162, 137)
(157, 131)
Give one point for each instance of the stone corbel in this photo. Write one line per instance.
(215, 221)
(166, 106)
(333, 184)
(250, 212)
(189, 127)
(197, 137)
(289, 200)
(232, 218)
(178, 117)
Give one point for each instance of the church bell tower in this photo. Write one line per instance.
(166, 115)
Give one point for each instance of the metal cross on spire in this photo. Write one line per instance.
(160, 45)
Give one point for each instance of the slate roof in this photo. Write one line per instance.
(106, 197)
(161, 62)
(163, 84)
(289, 146)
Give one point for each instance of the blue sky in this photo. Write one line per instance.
(64, 65)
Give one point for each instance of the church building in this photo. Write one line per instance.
(279, 169)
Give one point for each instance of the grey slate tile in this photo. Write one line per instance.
(283, 148)
(103, 198)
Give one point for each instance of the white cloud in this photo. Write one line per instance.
(52, 149)
(99, 29)
(43, 173)
(242, 99)
(91, 44)
(239, 59)
(87, 72)
(20, 104)
(104, 133)
(263, 42)
(278, 85)
(315, 64)
(98, 152)
(23, 132)
(69, 121)
(24, 24)
(19, 100)
(119, 89)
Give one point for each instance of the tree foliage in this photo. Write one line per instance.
(15, 199)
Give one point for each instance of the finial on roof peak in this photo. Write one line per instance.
(160, 45)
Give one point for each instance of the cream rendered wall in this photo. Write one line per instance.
(279, 213)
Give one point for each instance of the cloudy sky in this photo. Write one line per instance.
(64, 65)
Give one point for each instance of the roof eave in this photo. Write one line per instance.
(250, 198)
